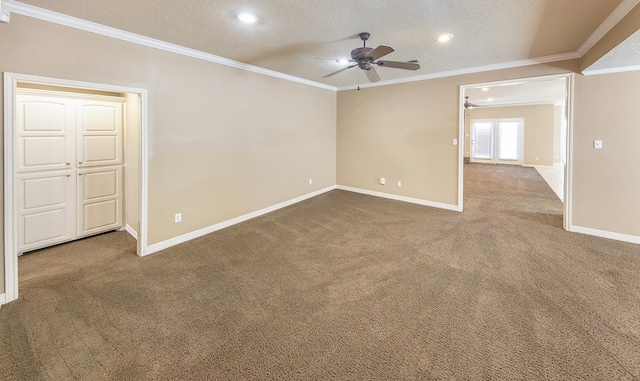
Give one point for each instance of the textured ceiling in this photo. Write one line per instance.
(627, 54)
(290, 33)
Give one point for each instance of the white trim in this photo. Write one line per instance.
(568, 171)
(537, 166)
(517, 103)
(612, 70)
(605, 234)
(213, 228)
(5, 15)
(615, 17)
(73, 22)
(461, 149)
(144, 174)
(411, 200)
(471, 70)
(131, 231)
(519, 81)
(10, 232)
(3, 299)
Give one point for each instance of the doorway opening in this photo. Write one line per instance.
(121, 168)
(525, 122)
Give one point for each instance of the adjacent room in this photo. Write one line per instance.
(291, 190)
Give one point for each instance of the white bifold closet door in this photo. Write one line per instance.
(69, 167)
(497, 141)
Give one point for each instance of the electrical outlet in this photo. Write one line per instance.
(177, 218)
(597, 144)
(455, 142)
(382, 181)
(310, 181)
(399, 183)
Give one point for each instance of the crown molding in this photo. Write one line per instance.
(618, 14)
(612, 70)
(5, 16)
(88, 26)
(470, 70)
(515, 103)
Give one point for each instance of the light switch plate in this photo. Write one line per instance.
(455, 142)
(597, 144)
(382, 181)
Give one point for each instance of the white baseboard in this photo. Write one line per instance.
(3, 299)
(411, 200)
(132, 232)
(536, 166)
(210, 229)
(605, 234)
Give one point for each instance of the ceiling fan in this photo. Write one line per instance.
(469, 105)
(365, 58)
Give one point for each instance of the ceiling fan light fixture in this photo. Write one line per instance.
(247, 18)
(444, 37)
(342, 61)
(485, 89)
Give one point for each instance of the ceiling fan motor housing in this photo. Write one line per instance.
(359, 53)
(364, 65)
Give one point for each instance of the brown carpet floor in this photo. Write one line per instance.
(345, 287)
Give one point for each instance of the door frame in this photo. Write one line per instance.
(11, 81)
(568, 170)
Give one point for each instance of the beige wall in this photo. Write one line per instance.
(405, 131)
(538, 129)
(222, 142)
(606, 182)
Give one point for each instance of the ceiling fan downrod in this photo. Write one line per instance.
(364, 36)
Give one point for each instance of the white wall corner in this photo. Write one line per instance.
(5, 15)
(131, 231)
(3, 299)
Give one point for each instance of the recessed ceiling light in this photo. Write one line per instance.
(485, 89)
(445, 37)
(342, 61)
(247, 18)
(490, 99)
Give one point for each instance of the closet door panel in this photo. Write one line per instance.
(45, 133)
(46, 211)
(99, 200)
(99, 132)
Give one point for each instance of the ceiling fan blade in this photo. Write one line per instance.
(332, 59)
(379, 52)
(399, 65)
(372, 74)
(339, 71)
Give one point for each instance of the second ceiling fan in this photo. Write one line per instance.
(365, 58)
